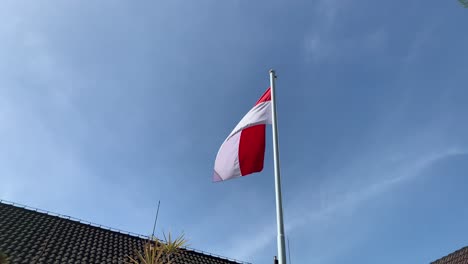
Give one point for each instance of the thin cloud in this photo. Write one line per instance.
(247, 246)
(349, 201)
(318, 44)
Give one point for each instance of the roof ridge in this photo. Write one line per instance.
(450, 254)
(108, 228)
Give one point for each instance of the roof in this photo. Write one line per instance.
(458, 257)
(30, 235)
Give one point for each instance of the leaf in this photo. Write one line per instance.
(156, 252)
(3, 258)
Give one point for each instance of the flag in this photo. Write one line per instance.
(243, 151)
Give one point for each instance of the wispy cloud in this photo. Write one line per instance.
(326, 41)
(391, 172)
(246, 246)
(39, 123)
(351, 199)
(317, 41)
(421, 38)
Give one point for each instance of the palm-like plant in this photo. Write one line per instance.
(155, 252)
(3, 258)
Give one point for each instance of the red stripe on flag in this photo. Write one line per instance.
(265, 97)
(252, 149)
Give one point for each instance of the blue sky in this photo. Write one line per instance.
(107, 107)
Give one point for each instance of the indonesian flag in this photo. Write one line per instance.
(243, 150)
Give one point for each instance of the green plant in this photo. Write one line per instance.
(3, 258)
(464, 3)
(156, 252)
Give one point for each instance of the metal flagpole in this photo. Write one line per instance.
(279, 206)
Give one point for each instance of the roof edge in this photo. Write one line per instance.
(450, 254)
(108, 228)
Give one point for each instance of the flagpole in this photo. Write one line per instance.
(279, 206)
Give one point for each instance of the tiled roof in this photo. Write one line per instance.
(458, 257)
(33, 236)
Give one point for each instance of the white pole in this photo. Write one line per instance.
(279, 206)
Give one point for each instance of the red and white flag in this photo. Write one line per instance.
(243, 151)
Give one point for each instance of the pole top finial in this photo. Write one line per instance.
(273, 72)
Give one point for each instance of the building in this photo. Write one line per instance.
(30, 235)
(458, 257)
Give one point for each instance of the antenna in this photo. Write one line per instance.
(289, 252)
(156, 219)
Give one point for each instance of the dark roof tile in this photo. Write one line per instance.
(458, 257)
(31, 236)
